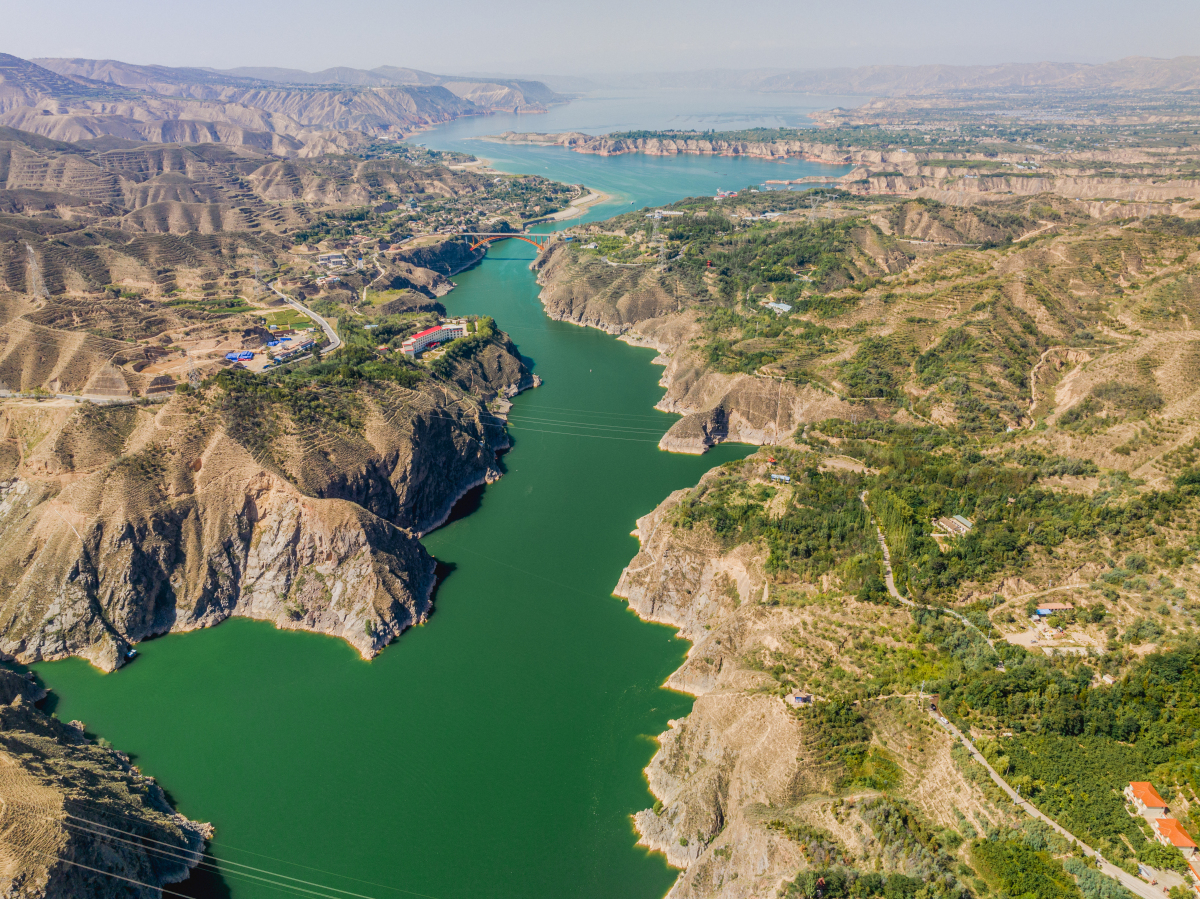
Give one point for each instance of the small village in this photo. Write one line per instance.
(1144, 803)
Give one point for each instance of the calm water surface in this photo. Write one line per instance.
(498, 750)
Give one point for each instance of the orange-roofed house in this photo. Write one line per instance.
(1194, 867)
(1171, 833)
(1146, 799)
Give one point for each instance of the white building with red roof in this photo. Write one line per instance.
(1146, 799)
(1171, 833)
(439, 333)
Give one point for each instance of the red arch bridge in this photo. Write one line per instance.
(488, 237)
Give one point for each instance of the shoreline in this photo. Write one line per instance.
(567, 142)
(575, 208)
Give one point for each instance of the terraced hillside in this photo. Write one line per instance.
(971, 408)
(73, 807)
(130, 272)
(1017, 314)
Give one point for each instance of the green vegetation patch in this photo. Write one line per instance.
(1014, 869)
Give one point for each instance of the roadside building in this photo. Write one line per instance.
(296, 350)
(1171, 833)
(332, 260)
(440, 333)
(1194, 869)
(1050, 608)
(1146, 799)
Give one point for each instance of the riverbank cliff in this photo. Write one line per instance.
(646, 307)
(303, 509)
(60, 795)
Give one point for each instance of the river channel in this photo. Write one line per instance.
(498, 750)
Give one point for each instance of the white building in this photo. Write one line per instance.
(1146, 799)
(440, 333)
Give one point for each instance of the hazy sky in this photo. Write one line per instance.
(572, 37)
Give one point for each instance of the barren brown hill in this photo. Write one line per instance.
(503, 94)
(80, 99)
(270, 118)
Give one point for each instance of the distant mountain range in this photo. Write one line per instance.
(1134, 73)
(291, 112)
(282, 111)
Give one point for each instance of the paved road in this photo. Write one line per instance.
(85, 398)
(334, 340)
(1134, 884)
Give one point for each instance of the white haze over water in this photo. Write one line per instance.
(603, 112)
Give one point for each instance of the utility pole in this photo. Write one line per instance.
(193, 375)
(36, 285)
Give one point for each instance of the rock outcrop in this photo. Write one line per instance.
(76, 817)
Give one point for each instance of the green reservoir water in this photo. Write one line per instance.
(498, 750)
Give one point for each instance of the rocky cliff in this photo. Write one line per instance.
(899, 171)
(605, 145)
(78, 819)
(120, 523)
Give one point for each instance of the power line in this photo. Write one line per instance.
(599, 412)
(170, 856)
(188, 861)
(120, 816)
(67, 861)
(592, 436)
(584, 424)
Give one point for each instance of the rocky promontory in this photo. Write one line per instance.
(61, 796)
(647, 307)
(297, 507)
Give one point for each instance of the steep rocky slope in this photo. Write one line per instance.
(81, 99)
(268, 117)
(296, 500)
(123, 522)
(810, 750)
(507, 95)
(78, 819)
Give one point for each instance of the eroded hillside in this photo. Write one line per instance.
(73, 810)
(84, 99)
(986, 318)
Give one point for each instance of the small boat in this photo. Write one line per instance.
(130, 654)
